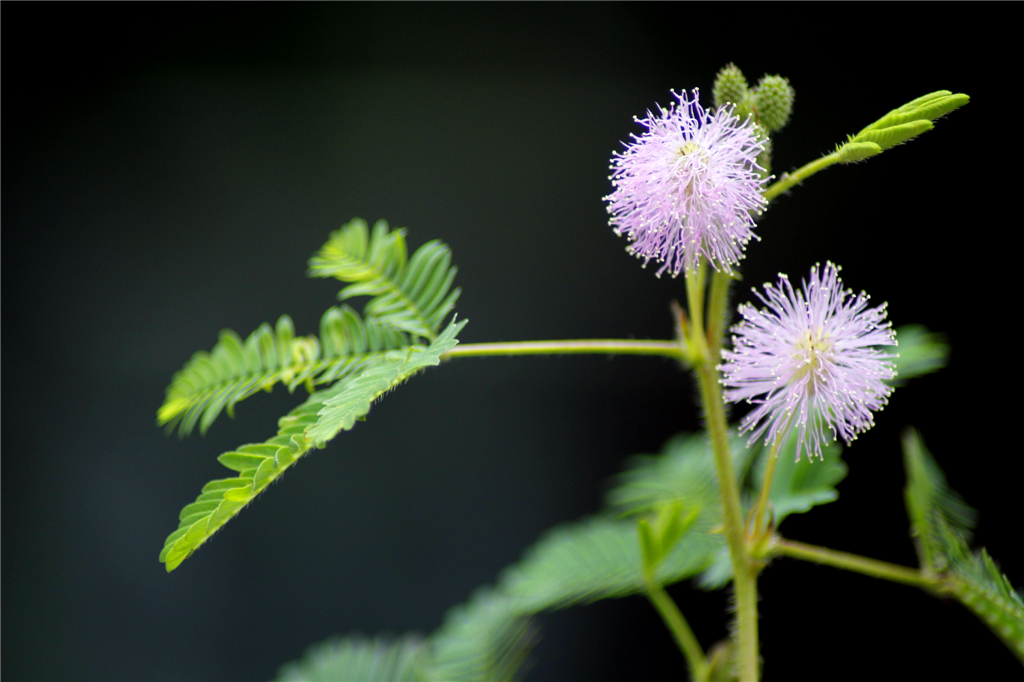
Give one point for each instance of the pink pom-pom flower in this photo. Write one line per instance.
(687, 187)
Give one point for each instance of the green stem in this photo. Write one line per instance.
(687, 641)
(695, 280)
(790, 179)
(855, 563)
(766, 488)
(744, 573)
(669, 349)
(720, 282)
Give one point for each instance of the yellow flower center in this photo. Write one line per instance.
(808, 352)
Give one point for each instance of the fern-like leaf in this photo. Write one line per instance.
(979, 585)
(919, 352)
(357, 658)
(685, 472)
(597, 559)
(234, 370)
(935, 510)
(941, 524)
(485, 640)
(350, 399)
(797, 487)
(308, 426)
(414, 294)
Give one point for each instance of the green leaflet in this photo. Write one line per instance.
(350, 399)
(308, 426)
(409, 297)
(941, 524)
(356, 658)
(596, 559)
(900, 125)
(920, 352)
(935, 510)
(980, 586)
(234, 370)
(685, 472)
(797, 487)
(485, 640)
(413, 295)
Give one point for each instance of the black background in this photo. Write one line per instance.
(168, 170)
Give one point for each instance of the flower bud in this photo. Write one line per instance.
(730, 86)
(773, 101)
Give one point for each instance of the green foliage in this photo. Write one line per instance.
(797, 487)
(596, 559)
(363, 358)
(685, 473)
(234, 370)
(935, 510)
(410, 298)
(486, 640)
(900, 125)
(980, 586)
(851, 152)
(920, 352)
(356, 658)
(413, 295)
(308, 426)
(350, 399)
(660, 533)
(941, 524)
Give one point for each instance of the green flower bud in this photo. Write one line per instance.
(764, 159)
(730, 86)
(773, 101)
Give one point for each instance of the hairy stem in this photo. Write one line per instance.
(744, 572)
(855, 563)
(696, 661)
(668, 349)
(720, 283)
(766, 488)
(795, 178)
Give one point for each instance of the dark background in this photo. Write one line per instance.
(167, 172)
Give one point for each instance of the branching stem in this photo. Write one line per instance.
(766, 488)
(855, 563)
(680, 629)
(668, 349)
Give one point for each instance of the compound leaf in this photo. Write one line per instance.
(485, 640)
(308, 426)
(596, 559)
(236, 369)
(380, 659)
(414, 294)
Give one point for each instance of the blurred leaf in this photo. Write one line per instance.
(797, 487)
(935, 510)
(941, 524)
(596, 559)
(357, 658)
(485, 640)
(920, 352)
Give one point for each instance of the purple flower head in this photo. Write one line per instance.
(810, 361)
(686, 188)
